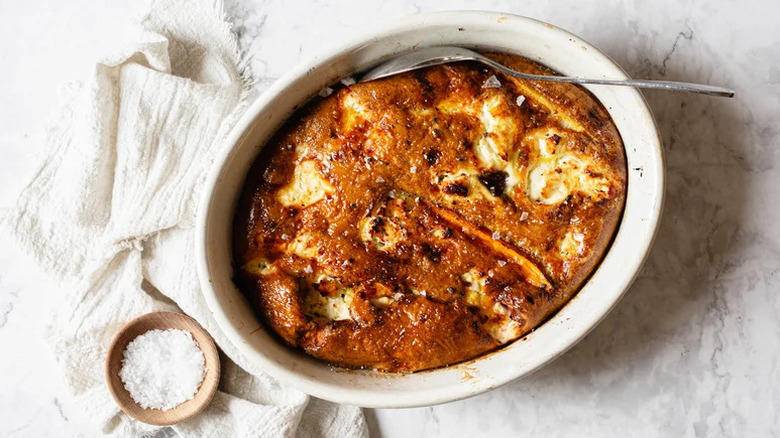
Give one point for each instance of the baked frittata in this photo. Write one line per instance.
(428, 218)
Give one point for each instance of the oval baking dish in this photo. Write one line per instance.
(538, 41)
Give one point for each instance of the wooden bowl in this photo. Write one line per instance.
(162, 321)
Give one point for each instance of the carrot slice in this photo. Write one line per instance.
(532, 273)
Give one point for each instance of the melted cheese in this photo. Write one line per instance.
(381, 232)
(557, 172)
(549, 179)
(354, 111)
(500, 325)
(500, 129)
(545, 185)
(329, 307)
(385, 296)
(571, 244)
(306, 188)
(496, 148)
(304, 245)
(382, 302)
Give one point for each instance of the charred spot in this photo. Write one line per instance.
(566, 209)
(545, 294)
(432, 156)
(431, 252)
(530, 299)
(594, 116)
(556, 139)
(447, 233)
(466, 144)
(451, 290)
(456, 188)
(495, 181)
(428, 90)
(378, 225)
(324, 288)
(592, 173)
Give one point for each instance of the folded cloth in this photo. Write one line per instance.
(110, 216)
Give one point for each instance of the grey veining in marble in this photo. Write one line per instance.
(694, 347)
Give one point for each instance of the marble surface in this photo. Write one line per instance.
(694, 347)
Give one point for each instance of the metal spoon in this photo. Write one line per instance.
(446, 54)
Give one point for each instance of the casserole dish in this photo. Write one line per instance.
(538, 41)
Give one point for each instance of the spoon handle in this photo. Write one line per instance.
(709, 90)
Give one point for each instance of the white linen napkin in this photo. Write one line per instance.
(110, 216)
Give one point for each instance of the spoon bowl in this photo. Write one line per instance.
(162, 321)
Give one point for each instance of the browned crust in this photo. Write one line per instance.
(579, 104)
(418, 331)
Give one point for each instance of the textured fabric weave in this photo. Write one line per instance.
(111, 211)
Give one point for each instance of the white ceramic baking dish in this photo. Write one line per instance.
(543, 42)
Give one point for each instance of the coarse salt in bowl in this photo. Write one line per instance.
(162, 369)
(147, 353)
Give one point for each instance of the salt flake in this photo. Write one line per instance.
(325, 92)
(349, 80)
(520, 100)
(492, 82)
